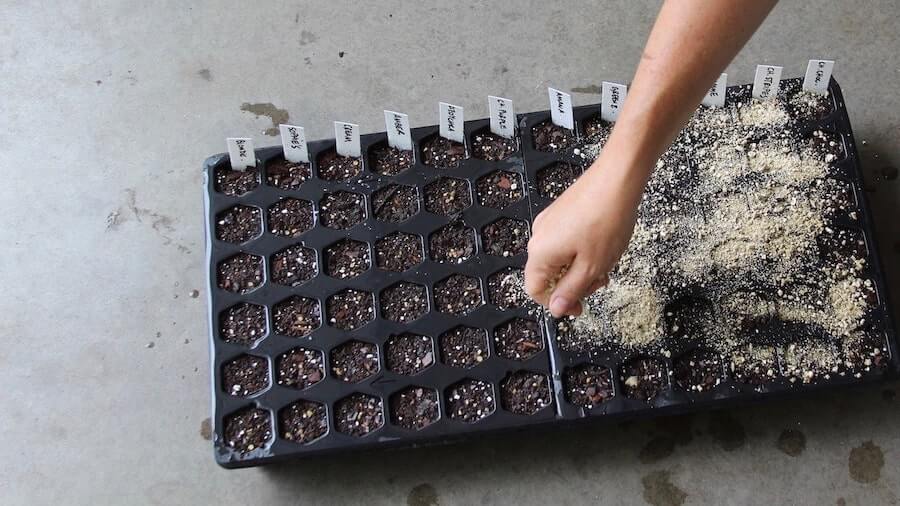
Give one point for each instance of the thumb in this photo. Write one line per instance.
(575, 285)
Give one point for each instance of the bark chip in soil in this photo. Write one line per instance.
(297, 316)
(699, 371)
(303, 421)
(588, 385)
(499, 189)
(442, 153)
(453, 243)
(241, 273)
(464, 346)
(294, 265)
(395, 203)
(643, 378)
(287, 175)
(358, 414)
(347, 259)
(414, 407)
(350, 309)
(550, 137)
(525, 392)
(447, 196)
(409, 354)
(518, 339)
(246, 375)
(300, 368)
(505, 237)
(290, 217)
(354, 361)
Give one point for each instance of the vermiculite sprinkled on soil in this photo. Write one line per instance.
(290, 217)
(552, 181)
(347, 259)
(596, 130)
(236, 182)
(238, 224)
(447, 196)
(505, 237)
(395, 203)
(398, 252)
(453, 243)
(341, 210)
(492, 147)
(464, 346)
(499, 189)
(409, 354)
(334, 167)
(390, 161)
(245, 375)
(243, 324)
(549, 137)
(470, 400)
(755, 365)
(518, 339)
(287, 175)
(506, 289)
(248, 429)
(297, 316)
(300, 368)
(240, 273)
(350, 309)
(414, 408)
(358, 414)
(404, 302)
(354, 361)
(457, 294)
(442, 153)
(643, 378)
(588, 385)
(699, 371)
(303, 422)
(525, 392)
(294, 265)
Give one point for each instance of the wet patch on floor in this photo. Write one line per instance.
(865, 463)
(422, 495)
(660, 491)
(278, 116)
(206, 429)
(727, 431)
(791, 442)
(657, 449)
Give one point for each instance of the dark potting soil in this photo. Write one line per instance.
(447, 196)
(358, 415)
(596, 130)
(300, 368)
(404, 302)
(457, 294)
(588, 385)
(518, 339)
(303, 422)
(350, 309)
(248, 429)
(390, 161)
(499, 189)
(238, 224)
(354, 361)
(290, 217)
(492, 147)
(464, 346)
(395, 203)
(347, 259)
(294, 265)
(409, 354)
(700, 371)
(334, 167)
(241, 273)
(756, 367)
(236, 182)
(245, 375)
(505, 237)
(341, 210)
(442, 153)
(506, 289)
(470, 400)
(243, 323)
(297, 316)
(550, 137)
(414, 408)
(826, 146)
(453, 243)
(643, 378)
(287, 175)
(552, 181)
(525, 393)
(398, 252)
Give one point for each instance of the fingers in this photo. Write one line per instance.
(540, 273)
(574, 285)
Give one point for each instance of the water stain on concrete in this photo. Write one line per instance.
(660, 491)
(205, 74)
(657, 449)
(841, 501)
(422, 495)
(591, 89)
(726, 431)
(865, 463)
(278, 116)
(307, 37)
(791, 442)
(206, 429)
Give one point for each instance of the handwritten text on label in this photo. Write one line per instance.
(293, 141)
(397, 125)
(241, 153)
(502, 116)
(561, 108)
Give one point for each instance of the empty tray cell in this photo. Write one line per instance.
(525, 392)
(442, 153)
(457, 294)
(588, 385)
(453, 243)
(358, 414)
(287, 175)
(246, 375)
(464, 346)
(300, 368)
(489, 146)
(347, 259)
(554, 179)
(825, 146)
(643, 378)
(290, 217)
(243, 323)
(235, 183)
(755, 365)
(447, 196)
(470, 400)
(403, 302)
(499, 189)
(354, 361)
(294, 265)
(342, 210)
(240, 273)
(389, 161)
(550, 137)
(395, 203)
(699, 371)
(248, 429)
(505, 237)
(297, 316)
(415, 407)
(409, 354)
(303, 421)
(350, 309)
(518, 339)
(238, 224)
(334, 167)
(506, 289)
(398, 252)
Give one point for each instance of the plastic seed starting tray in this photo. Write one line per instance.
(353, 371)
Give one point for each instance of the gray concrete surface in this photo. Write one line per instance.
(108, 108)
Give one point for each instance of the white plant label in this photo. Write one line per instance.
(766, 82)
(451, 122)
(612, 96)
(241, 153)
(818, 75)
(346, 137)
(561, 109)
(397, 125)
(293, 141)
(715, 97)
(503, 117)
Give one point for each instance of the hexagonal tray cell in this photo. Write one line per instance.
(243, 323)
(453, 243)
(398, 252)
(235, 183)
(506, 289)
(303, 421)
(457, 294)
(755, 365)
(414, 407)
(395, 203)
(550, 137)
(248, 429)
(489, 146)
(294, 265)
(447, 196)
(825, 146)
(518, 339)
(389, 161)
(238, 224)
(588, 385)
(643, 378)
(442, 153)
(300, 368)
(525, 392)
(596, 131)
(245, 375)
(505, 237)
(241, 273)
(341, 210)
(499, 189)
(286, 175)
(347, 259)
(699, 371)
(350, 309)
(297, 316)
(403, 302)
(354, 361)
(464, 346)
(334, 167)
(470, 400)
(409, 354)
(806, 105)
(290, 217)
(358, 414)
(554, 179)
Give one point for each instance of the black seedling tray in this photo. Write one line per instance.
(550, 362)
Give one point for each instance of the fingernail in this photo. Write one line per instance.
(559, 305)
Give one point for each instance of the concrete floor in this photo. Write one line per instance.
(108, 110)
